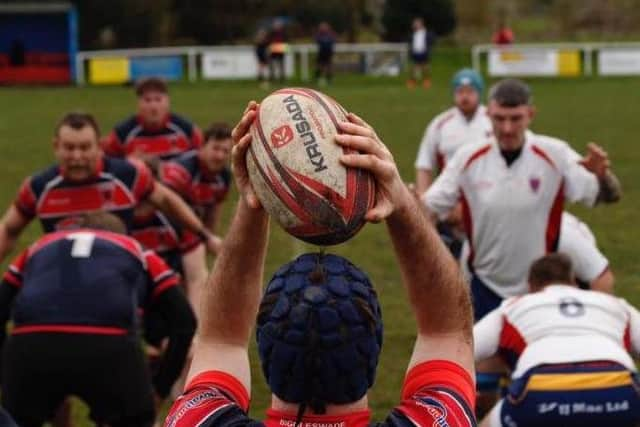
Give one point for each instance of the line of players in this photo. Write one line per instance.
(153, 188)
(499, 203)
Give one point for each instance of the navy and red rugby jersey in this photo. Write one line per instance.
(85, 281)
(157, 233)
(201, 190)
(435, 393)
(116, 187)
(174, 137)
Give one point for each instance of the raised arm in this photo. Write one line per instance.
(172, 205)
(437, 293)
(232, 294)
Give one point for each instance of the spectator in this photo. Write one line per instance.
(325, 39)
(262, 55)
(420, 48)
(277, 49)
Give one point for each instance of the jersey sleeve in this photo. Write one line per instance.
(576, 242)
(112, 146)
(144, 183)
(427, 153)
(438, 392)
(176, 177)
(444, 193)
(486, 334)
(26, 200)
(161, 277)
(13, 275)
(212, 398)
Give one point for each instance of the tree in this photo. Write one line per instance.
(439, 15)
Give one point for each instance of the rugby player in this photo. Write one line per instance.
(466, 122)
(203, 180)
(83, 180)
(568, 350)
(154, 131)
(73, 297)
(513, 188)
(319, 326)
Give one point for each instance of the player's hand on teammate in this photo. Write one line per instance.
(374, 156)
(242, 140)
(596, 160)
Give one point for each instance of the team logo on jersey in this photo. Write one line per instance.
(435, 408)
(534, 183)
(281, 136)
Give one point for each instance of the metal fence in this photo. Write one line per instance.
(301, 53)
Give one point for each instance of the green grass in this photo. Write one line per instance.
(580, 110)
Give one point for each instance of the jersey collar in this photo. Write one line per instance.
(286, 419)
(162, 125)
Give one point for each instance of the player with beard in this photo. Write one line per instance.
(466, 122)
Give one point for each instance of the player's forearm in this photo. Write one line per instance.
(610, 188)
(424, 178)
(7, 241)
(435, 286)
(176, 208)
(232, 293)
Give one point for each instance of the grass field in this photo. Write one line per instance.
(579, 111)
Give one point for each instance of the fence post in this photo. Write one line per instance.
(192, 65)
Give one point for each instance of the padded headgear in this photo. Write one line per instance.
(468, 77)
(319, 332)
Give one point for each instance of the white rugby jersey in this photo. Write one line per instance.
(578, 242)
(447, 132)
(511, 214)
(560, 324)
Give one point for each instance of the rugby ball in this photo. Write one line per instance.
(294, 167)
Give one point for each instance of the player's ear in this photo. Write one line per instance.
(532, 111)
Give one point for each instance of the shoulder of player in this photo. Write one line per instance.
(471, 152)
(553, 150)
(183, 123)
(442, 119)
(39, 180)
(125, 126)
(226, 175)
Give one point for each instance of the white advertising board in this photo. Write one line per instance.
(619, 62)
(235, 64)
(523, 62)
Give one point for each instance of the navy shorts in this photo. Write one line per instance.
(420, 58)
(484, 299)
(568, 395)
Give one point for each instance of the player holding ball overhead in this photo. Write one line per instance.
(319, 323)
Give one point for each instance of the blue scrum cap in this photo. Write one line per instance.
(319, 332)
(468, 77)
